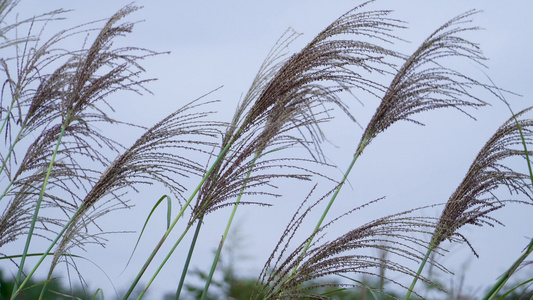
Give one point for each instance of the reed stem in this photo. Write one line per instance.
(167, 232)
(189, 256)
(37, 207)
(228, 226)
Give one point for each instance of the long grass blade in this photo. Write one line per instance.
(502, 297)
(148, 219)
(172, 225)
(37, 207)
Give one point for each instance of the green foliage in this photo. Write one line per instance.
(55, 290)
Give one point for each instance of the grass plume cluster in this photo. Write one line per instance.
(61, 173)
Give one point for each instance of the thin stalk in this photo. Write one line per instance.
(10, 149)
(420, 268)
(166, 234)
(164, 261)
(4, 162)
(8, 113)
(503, 279)
(228, 226)
(189, 256)
(47, 252)
(43, 289)
(333, 197)
(38, 206)
(357, 154)
(360, 149)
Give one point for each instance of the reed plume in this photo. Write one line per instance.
(160, 156)
(290, 275)
(474, 198)
(424, 82)
(288, 98)
(286, 104)
(66, 104)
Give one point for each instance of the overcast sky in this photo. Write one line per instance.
(225, 42)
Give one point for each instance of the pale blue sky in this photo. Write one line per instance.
(224, 43)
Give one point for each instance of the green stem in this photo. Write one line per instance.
(4, 162)
(164, 261)
(503, 279)
(358, 153)
(228, 226)
(189, 256)
(17, 139)
(166, 234)
(333, 197)
(9, 155)
(47, 252)
(38, 206)
(420, 268)
(360, 149)
(7, 115)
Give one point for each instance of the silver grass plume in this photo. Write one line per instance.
(6, 8)
(288, 100)
(423, 82)
(473, 199)
(291, 275)
(72, 96)
(160, 155)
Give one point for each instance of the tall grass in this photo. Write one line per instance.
(60, 173)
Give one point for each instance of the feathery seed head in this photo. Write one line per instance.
(289, 275)
(289, 98)
(423, 82)
(473, 199)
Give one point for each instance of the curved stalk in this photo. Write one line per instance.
(173, 224)
(358, 153)
(163, 262)
(11, 149)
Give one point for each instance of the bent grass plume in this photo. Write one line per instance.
(473, 199)
(515, 266)
(285, 97)
(299, 85)
(423, 83)
(63, 107)
(152, 158)
(342, 255)
(68, 95)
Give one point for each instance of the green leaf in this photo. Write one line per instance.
(169, 215)
(370, 289)
(96, 293)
